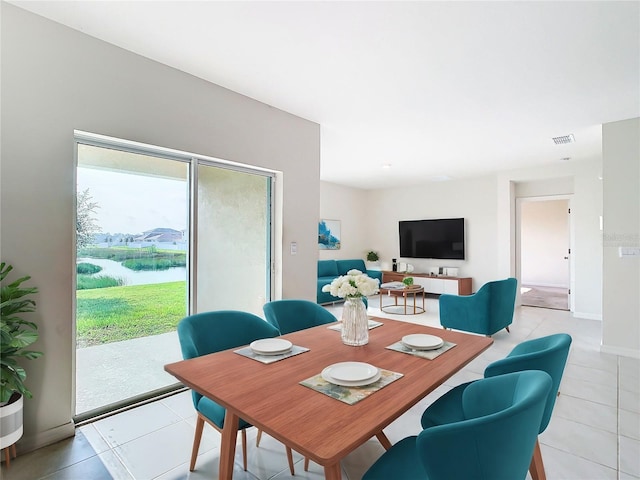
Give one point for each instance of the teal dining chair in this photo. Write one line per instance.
(548, 354)
(493, 440)
(487, 311)
(209, 332)
(292, 315)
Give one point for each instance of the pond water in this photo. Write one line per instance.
(131, 277)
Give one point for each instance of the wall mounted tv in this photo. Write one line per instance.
(440, 238)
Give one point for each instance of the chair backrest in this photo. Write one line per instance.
(502, 299)
(497, 437)
(209, 332)
(487, 311)
(548, 354)
(293, 315)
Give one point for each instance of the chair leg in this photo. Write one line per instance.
(290, 460)
(244, 448)
(7, 457)
(196, 442)
(384, 441)
(507, 327)
(258, 437)
(537, 467)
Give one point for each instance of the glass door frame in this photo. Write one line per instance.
(97, 140)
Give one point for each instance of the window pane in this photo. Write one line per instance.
(233, 240)
(132, 244)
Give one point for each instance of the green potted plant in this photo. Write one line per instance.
(372, 256)
(16, 334)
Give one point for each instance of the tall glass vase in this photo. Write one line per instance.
(355, 323)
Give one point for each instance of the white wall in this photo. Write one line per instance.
(349, 206)
(55, 80)
(581, 181)
(488, 205)
(621, 280)
(473, 199)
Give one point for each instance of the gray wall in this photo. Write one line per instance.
(55, 80)
(621, 279)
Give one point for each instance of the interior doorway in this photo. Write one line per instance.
(545, 252)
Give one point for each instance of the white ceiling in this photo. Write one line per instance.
(432, 88)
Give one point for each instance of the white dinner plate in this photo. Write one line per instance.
(271, 346)
(326, 375)
(422, 341)
(352, 371)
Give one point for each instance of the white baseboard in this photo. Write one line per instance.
(622, 352)
(548, 285)
(588, 316)
(32, 442)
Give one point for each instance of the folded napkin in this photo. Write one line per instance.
(428, 354)
(248, 352)
(338, 326)
(350, 395)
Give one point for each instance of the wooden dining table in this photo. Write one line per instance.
(322, 428)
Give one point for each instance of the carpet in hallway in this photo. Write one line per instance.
(544, 297)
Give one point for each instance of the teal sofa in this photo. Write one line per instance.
(328, 270)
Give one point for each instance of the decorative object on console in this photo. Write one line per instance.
(329, 235)
(394, 266)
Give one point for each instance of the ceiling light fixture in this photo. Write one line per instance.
(565, 159)
(564, 139)
(386, 165)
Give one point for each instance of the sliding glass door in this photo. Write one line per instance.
(233, 240)
(158, 236)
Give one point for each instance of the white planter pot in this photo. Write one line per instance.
(372, 265)
(11, 423)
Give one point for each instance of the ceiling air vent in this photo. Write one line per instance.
(564, 139)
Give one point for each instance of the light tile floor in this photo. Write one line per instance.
(594, 433)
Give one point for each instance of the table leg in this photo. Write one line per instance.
(228, 445)
(332, 472)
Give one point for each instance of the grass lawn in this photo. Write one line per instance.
(113, 314)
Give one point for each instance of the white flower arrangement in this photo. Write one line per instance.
(353, 284)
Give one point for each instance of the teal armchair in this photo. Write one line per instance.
(487, 311)
(493, 439)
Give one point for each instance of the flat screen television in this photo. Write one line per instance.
(439, 238)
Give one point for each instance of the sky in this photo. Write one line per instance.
(135, 203)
